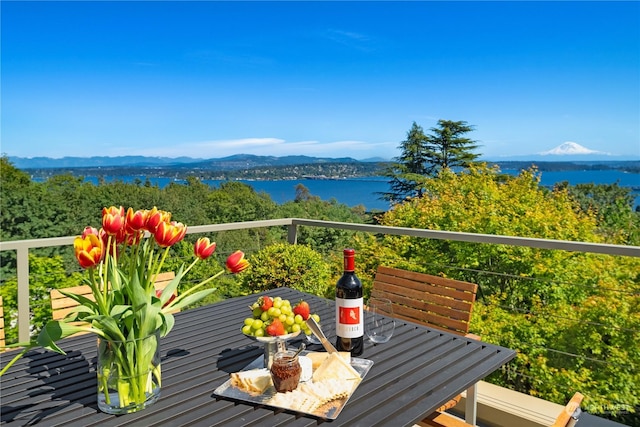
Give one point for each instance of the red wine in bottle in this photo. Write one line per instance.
(349, 309)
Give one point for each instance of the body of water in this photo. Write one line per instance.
(366, 191)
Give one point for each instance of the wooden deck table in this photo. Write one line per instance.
(412, 375)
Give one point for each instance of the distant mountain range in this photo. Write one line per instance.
(238, 161)
(566, 152)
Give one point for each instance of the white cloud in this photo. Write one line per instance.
(264, 147)
(351, 39)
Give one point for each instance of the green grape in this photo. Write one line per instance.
(290, 320)
(286, 309)
(248, 321)
(295, 328)
(259, 333)
(246, 329)
(298, 319)
(264, 316)
(257, 312)
(277, 303)
(283, 318)
(257, 324)
(271, 311)
(276, 313)
(316, 317)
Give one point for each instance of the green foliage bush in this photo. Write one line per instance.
(294, 266)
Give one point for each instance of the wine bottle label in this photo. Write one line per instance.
(349, 316)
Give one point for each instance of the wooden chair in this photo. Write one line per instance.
(61, 305)
(442, 419)
(571, 412)
(2, 342)
(438, 302)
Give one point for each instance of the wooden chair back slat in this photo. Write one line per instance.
(62, 305)
(163, 279)
(423, 298)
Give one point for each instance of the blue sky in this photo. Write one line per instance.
(210, 79)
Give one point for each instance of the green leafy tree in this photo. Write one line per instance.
(481, 200)
(613, 208)
(235, 201)
(303, 194)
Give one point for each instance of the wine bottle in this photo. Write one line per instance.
(349, 309)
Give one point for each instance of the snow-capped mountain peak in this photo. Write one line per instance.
(570, 148)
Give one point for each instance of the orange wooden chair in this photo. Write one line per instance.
(435, 301)
(571, 412)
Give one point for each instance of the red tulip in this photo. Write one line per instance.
(88, 250)
(168, 234)
(203, 248)
(135, 221)
(236, 262)
(154, 218)
(113, 219)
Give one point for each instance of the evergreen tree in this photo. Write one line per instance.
(424, 156)
(447, 148)
(407, 169)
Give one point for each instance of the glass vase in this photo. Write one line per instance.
(129, 376)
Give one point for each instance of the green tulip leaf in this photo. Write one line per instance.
(56, 330)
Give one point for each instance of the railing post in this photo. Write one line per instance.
(471, 405)
(292, 234)
(24, 318)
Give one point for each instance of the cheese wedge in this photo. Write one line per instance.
(317, 357)
(254, 381)
(334, 367)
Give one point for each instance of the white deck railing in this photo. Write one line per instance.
(22, 247)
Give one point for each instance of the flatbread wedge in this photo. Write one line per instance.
(334, 367)
(317, 357)
(254, 381)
